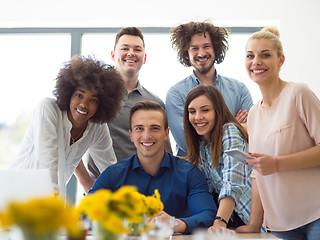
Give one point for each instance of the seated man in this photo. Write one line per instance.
(183, 189)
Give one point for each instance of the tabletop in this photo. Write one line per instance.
(236, 236)
(7, 236)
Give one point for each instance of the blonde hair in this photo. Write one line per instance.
(272, 34)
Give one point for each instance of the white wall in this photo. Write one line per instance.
(298, 21)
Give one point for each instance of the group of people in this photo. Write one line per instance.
(104, 110)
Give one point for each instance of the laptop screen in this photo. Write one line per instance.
(21, 185)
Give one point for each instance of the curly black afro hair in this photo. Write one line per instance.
(96, 76)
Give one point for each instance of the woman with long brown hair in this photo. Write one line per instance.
(210, 129)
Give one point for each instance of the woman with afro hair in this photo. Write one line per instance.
(88, 94)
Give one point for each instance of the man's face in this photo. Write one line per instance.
(201, 53)
(148, 134)
(129, 55)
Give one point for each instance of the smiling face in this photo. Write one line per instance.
(202, 116)
(129, 54)
(148, 134)
(262, 61)
(201, 53)
(83, 105)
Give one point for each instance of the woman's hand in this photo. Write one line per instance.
(264, 164)
(220, 229)
(250, 228)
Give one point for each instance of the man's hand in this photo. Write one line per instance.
(181, 227)
(242, 116)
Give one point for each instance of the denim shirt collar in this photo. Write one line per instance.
(197, 81)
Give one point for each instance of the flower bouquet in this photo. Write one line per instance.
(41, 218)
(110, 210)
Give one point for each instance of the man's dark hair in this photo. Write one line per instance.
(149, 105)
(132, 31)
(182, 34)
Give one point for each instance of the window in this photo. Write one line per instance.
(29, 65)
(31, 59)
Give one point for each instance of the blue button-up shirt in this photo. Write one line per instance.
(183, 188)
(235, 94)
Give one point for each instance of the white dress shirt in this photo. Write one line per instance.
(46, 145)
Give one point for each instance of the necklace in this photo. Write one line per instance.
(74, 139)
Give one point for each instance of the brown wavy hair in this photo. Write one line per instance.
(95, 75)
(181, 36)
(222, 116)
(132, 31)
(149, 105)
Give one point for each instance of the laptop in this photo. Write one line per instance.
(24, 184)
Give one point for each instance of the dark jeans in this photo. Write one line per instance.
(235, 221)
(310, 231)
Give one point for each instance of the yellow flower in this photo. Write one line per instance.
(111, 209)
(40, 215)
(73, 223)
(154, 204)
(5, 220)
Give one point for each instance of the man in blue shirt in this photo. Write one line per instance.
(201, 45)
(183, 188)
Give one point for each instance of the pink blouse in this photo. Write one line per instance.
(290, 199)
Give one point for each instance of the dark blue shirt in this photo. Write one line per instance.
(182, 186)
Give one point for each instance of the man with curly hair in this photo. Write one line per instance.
(128, 56)
(88, 94)
(201, 45)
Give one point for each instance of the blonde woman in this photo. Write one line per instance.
(284, 138)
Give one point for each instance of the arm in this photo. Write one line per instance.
(174, 109)
(256, 213)
(226, 206)
(82, 174)
(201, 214)
(101, 151)
(245, 104)
(246, 99)
(235, 177)
(46, 139)
(266, 165)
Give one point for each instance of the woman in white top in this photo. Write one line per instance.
(88, 94)
(284, 138)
